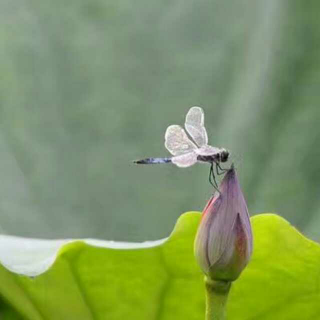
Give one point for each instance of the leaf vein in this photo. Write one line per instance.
(80, 286)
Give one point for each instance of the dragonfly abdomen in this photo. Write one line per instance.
(153, 161)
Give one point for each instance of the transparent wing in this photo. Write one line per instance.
(195, 126)
(185, 160)
(177, 141)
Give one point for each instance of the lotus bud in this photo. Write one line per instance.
(223, 244)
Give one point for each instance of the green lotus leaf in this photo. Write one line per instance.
(92, 279)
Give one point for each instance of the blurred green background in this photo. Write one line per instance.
(87, 86)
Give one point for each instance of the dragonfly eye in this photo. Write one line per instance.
(224, 156)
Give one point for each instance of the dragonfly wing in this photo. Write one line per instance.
(185, 160)
(195, 126)
(177, 141)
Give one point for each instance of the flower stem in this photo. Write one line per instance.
(217, 295)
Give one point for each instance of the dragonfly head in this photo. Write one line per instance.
(224, 155)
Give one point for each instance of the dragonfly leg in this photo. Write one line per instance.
(217, 169)
(223, 170)
(212, 178)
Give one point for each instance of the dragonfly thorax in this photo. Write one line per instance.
(221, 156)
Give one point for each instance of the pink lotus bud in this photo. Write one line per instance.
(223, 244)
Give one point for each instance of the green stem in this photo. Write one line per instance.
(217, 295)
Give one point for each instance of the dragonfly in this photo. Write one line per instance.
(187, 151)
